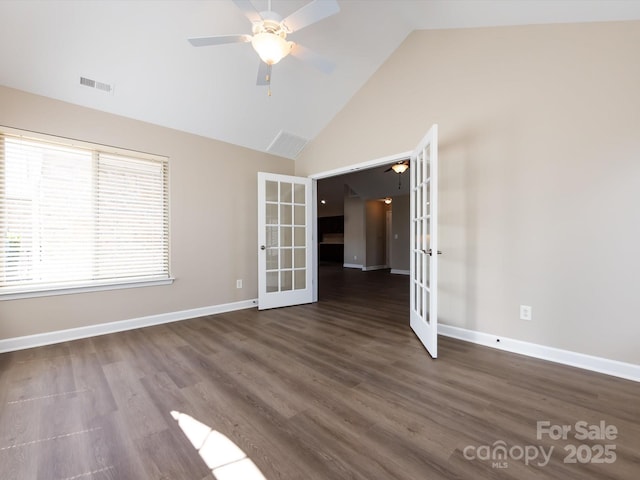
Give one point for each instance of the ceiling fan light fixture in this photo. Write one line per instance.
(399, 168)
(271, 47)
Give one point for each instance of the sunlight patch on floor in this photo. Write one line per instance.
(226, 460)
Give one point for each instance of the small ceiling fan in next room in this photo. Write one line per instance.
(399, 168)
(270, 31)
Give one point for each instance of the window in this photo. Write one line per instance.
(75, 216)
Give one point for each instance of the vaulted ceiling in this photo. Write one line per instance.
(141, 49)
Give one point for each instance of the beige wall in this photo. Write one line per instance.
(354, 231)
(375, 233)
(213, 218)
(400, 227)
(539, 173)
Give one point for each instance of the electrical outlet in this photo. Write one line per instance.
(238, 283)
(526, 312)
(355, 257)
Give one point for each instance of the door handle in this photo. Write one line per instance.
(262, 247)
(430, 252)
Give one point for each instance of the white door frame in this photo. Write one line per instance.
(378, 162)
(314, 236)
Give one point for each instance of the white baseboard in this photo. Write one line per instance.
(395, 271)
(48, 338)
(352, 265)
(374, 267)
(628, 371)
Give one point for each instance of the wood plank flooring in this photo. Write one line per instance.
(340, 389)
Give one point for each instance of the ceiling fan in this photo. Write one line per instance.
(399, 168)
(270, 32)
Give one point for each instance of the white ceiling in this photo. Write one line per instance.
(141, 47)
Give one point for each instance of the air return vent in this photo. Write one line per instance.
(105, 87)
(287, 145)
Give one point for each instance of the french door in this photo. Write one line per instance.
(424, 241)
(285, 248)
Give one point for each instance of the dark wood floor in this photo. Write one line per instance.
(340, 389)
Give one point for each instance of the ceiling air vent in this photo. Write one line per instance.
(287, 145)
(105, 87)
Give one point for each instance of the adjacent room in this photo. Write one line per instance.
(319, 239)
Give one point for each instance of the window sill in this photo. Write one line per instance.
(16, 294)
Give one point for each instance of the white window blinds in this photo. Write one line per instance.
(77, 216)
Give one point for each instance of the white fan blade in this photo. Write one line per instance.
(311, 13)
(219, 40)
(321, 63)
(264, 74)
(249, 10)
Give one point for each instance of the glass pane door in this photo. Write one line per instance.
(424, 239)
(285, 244)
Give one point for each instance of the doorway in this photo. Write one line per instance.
(423, 220)
(356, 228)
